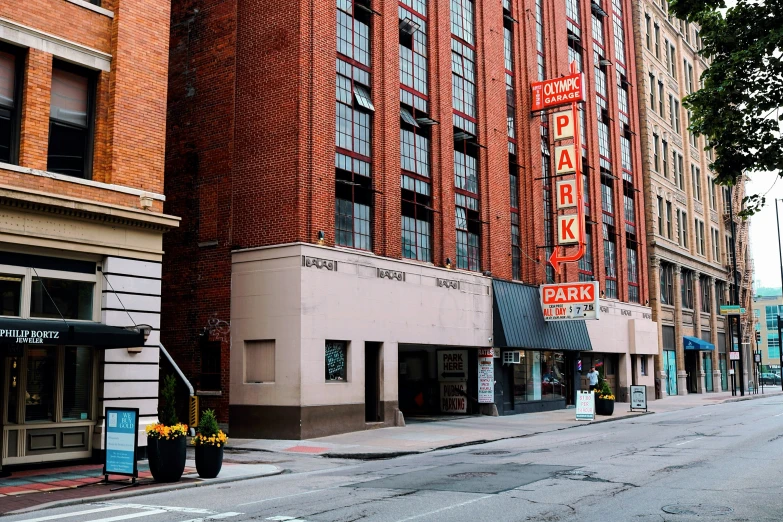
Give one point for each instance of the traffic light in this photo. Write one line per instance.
(758, 336)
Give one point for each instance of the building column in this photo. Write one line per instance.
(34, 143)
(655, 308)
(682, 376)
(716, 376)
(702, 382)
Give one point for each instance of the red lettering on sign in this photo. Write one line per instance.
(566, 194)
(568, 293)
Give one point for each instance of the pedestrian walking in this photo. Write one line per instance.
(593, 376)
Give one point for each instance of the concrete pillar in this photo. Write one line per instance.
(655, 308)
(716, 377)
(701, 382)
(682, 376)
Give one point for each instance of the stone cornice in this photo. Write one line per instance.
(47, 203)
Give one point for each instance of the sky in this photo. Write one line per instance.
(763, 234)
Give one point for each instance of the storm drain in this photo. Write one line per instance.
(473, 474)
(699, 510)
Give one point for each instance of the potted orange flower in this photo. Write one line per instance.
(209, 442)
(166, 440)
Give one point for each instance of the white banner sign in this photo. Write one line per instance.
(486, 376)
(638, 397)
(453, 397)
(585, 405)
(453, 365)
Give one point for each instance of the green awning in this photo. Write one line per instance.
(518, 322)
(15, 331)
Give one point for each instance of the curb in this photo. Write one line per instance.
(140, 492)
(753, 397)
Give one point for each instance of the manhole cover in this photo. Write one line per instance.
(473, 474)
(491, 452)
(699, 510)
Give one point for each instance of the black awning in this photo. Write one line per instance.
(14, 331)
(518, 322)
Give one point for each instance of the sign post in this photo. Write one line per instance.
(585, 405)
(638, 398)
(121, 442)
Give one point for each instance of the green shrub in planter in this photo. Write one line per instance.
(209, 441)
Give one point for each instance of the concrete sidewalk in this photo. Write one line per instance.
(424, 435)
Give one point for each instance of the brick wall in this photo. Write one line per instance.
(251, 143)
(129, 129)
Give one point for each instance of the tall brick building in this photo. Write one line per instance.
(690, 233)
(360, 181)
(82, 122)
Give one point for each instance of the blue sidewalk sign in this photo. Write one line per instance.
(121, 441)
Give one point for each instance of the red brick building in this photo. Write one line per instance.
(353, 175)
(82, 136)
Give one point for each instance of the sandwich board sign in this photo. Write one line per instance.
(585, 405)
(638, 398)
(121, 441)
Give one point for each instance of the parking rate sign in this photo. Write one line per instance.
(570, 301)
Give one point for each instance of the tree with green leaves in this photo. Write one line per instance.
(739, 108)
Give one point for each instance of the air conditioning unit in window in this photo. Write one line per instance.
(510, 357)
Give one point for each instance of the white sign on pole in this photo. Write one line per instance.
(486, 376)
(565, 159)
(453, 397)
(568, 229)
(453, 365)
(566, 194)
(638, 397)
(585, 405)
(734, 356)
(564, 125)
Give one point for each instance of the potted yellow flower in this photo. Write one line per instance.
(209, 442)
(604, 400)
(166, 440)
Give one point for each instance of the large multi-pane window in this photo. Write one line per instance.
(672, 60)
(666, 274)
(699, 228)
(508, 59)
(467, 224)
(71, 121)
(657, 40)
(771, 314)
(706, 300)
(462, 20)
(677, 163)
(696, 182)
(686, 288)
(633, 274)
(354, 119)
(9, 105)
(463, 86)
(647, 31)
(715, 245)
(610, 261)
(660, 99)
(660, 216)
(665, 157)
(656, 153)
(586, 262)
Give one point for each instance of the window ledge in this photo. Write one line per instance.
(81, 181)
(206, 393)
(92, 7)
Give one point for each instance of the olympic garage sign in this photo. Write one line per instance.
(557, 92)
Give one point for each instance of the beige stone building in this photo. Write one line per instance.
(689, 223)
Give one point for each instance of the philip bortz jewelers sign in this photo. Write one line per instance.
(29, 336)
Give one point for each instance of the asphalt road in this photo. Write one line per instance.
(721, 462)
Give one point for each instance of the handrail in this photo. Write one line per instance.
(187, 383)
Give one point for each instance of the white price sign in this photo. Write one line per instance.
(570, 301)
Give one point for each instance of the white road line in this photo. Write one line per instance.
(445, 508)
(69, 515)
(218, 516)
(778, 415)
(287, 496)
(145, 513)
(687, 441)
(172, 509)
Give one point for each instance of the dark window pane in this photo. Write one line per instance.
(10, 295)
(69, 97)
(67, 149)
(77, 381)
(210, 365)
(73, 299)
(7, 105)
(41, 375)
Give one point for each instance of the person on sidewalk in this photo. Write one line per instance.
(593, 376)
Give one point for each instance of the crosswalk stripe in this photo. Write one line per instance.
(145, 513)
(172, 509)
(219, 516)
(68, 515)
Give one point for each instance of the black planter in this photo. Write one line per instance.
(167, 458)
(604, 406)
(209, 460)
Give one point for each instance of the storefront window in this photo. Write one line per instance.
(10, 295)
(77, 380)
(41, 378)
(336, 361)
(12, 389)
(56, 298)
(539, 376)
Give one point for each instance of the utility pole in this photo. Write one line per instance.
(737, 281)
(780, 255)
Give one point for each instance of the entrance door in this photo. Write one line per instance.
(670, 368)
(692, 369)
(708, 371)
(372, 382)
(724, 375)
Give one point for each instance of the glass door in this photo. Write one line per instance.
(707, 371)
(724, 377)
(670, 368)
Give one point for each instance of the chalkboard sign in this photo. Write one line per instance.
(121, 441)
(336, 368)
